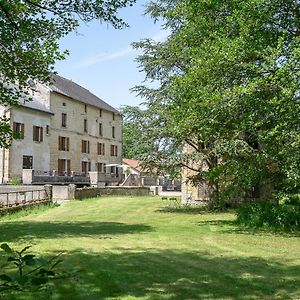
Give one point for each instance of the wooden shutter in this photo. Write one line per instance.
(59, 167)
(34, 133)
(88, 146)
(22, 131)
(82, 146)
(59, 143)
(41, 134)
(69, 167)
(103, 149)
(68, 144)
(89, 166)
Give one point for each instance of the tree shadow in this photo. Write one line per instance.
(189, 210)
(12, 231)
(176, 275)
(231, 226)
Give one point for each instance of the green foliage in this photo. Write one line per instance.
(15, 181)
(29, 272)
(143, 140)
(29, 39)
(267, 215)
(228, 91)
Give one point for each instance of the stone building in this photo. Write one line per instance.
(65, 129)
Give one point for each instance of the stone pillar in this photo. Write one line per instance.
(49, 191)
(27, 176)
(94, 178)
(71, 191)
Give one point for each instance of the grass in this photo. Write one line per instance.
(134, 248)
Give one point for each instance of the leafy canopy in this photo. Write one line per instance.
(228, 91)
(30, 31)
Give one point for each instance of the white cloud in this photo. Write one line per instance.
(104, 57)
(159, 37)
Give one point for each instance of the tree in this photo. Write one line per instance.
(140, 141)
(30, 31)
(229, 91)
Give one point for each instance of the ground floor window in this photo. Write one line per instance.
(85, 167)
(101, 167)
(27, 162)
(64, 167)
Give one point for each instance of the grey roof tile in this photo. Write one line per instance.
(34, 104)
(73, 90)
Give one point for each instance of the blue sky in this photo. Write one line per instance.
(102, 60)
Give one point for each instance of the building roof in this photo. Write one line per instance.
(34, 104)
(133, 164)
(73, 90)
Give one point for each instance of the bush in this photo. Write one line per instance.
(15, 181)
(267, 215)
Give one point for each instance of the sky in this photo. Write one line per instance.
(102, 60)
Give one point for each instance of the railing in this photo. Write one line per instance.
(22, 198)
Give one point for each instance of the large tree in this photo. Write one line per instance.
(229, 89)
(144, 140)
(29, 36)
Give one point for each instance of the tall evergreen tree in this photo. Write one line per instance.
(229, 89)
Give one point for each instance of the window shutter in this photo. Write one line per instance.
(82, 146)
(69, 167)
(14, 128)
(88, 146)
(22, 131)
(89, 166)
(103, 149)
(68, 144)
(41, 134)
(34, 133)
(59, 143)
(116, 150)
(59, 167)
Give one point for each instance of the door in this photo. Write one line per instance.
(27, 162)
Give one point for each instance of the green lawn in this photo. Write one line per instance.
(134, 248)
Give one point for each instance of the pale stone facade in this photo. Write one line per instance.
(80, 133)
(190, 191)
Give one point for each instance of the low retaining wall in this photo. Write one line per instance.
(115, 191)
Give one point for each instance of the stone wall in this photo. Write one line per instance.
(114, 191)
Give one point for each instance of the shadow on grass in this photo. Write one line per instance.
(231, 226)
(176, 275)
(184, 210)
(26, 230)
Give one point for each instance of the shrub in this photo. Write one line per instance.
(267, 215)
(15, 181)
(26, 271)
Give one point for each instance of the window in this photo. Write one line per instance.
(85, 145)
(85, 167)
(64, 104)
(113, 132)
(18, 130)
(63, 143)
(100, 129)
(113, 150)
(113, 116)
(100, 112)
(27, 162)
(101, 149)
(85, 125)
(64, 167)
(37, 134)
(85, 108)
(101, 167)
(63, 120)
(47, 129)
